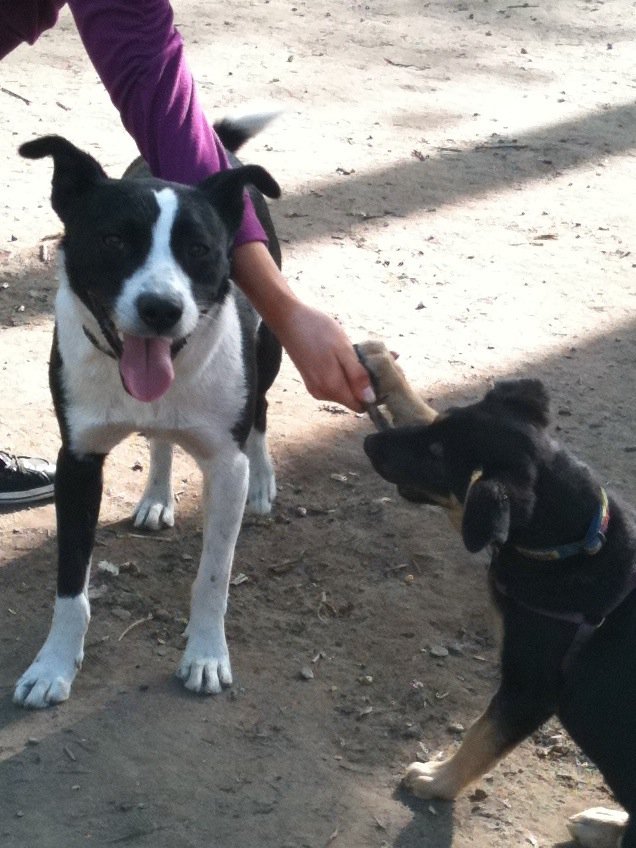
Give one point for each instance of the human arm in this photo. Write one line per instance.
(139, 56)
(315, 342)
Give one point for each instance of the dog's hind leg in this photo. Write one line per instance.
(262, 485)
(78, 490)
(205, 666)
(156, 507)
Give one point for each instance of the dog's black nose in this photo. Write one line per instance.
(159, 313)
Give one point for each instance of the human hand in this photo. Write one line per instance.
(321, 351)
(316, 343)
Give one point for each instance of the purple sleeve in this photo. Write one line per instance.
(24, 21)
(139, 56)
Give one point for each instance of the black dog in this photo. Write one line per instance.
(563, 574)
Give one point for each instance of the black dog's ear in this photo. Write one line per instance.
(527, 398)
(486, 516)
(225, 191)
(74, 171)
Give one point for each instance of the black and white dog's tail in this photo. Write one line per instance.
(238, 127)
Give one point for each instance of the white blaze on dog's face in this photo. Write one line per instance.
(156, 306)
(160, 277)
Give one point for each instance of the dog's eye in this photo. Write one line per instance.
(113, 241)
(198, 250)
(436, 449)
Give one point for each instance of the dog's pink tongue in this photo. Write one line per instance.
(146, 367)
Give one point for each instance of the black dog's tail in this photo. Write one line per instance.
(235, 130)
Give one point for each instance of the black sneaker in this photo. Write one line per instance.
(25, 479)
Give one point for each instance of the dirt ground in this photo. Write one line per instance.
(458, 180)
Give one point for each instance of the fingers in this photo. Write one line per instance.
(343, 378)
(323, 354)
(339, 383)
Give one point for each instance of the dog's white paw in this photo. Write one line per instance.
(43, 684)
(430, 780)
(153, 513)
(261, 492)
(156, 507)
(49, 678)
(598, 827)
(205, 665)
(47, 681)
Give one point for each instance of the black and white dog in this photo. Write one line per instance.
(152, 335)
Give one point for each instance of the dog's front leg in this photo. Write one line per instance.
(445, 779)
(509, 719)
(78, 491)
(391, 386)
(205, 666)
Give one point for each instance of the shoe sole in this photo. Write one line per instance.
(30, 496)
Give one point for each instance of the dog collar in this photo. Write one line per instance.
(115, 346)
(590, 545)
(101, 348)
(106, 326)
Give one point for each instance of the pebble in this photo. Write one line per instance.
(478, 795)
(339, 478)
(438, 651)
(161, 615)
(108, 567)
(306, 673)
(120, 613)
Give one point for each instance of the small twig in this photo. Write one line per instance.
(406, 65)
(511, 146)
(327, 607)
(13, 94)
(285, 565)
(148, 536)
(134, 624)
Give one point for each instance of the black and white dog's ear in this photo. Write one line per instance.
(225, 191)
(486, 517)
(527, 398)
(74, 171)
